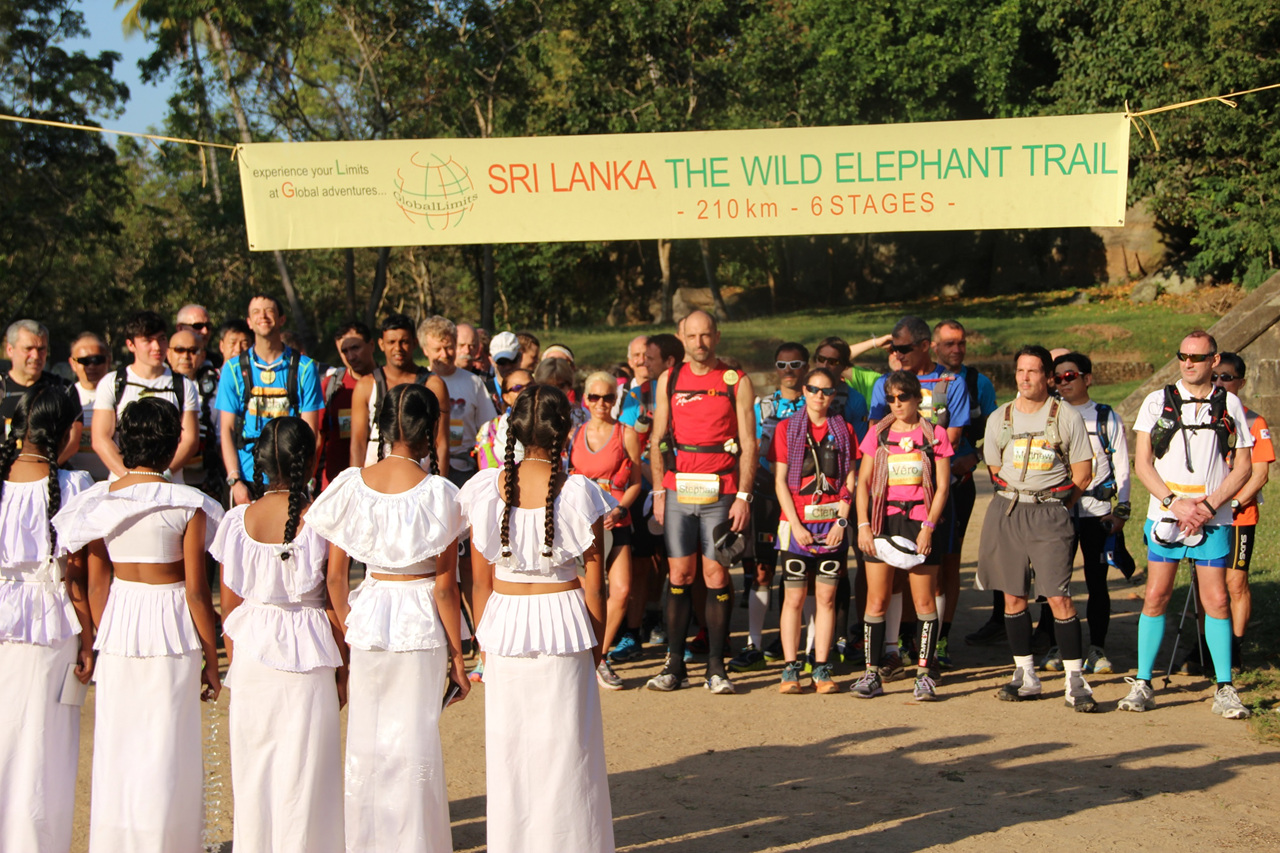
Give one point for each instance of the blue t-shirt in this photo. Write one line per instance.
(630, 406)
(852, 406)
(957, 398)
(771, 411)
(268, 399)
(986, 404)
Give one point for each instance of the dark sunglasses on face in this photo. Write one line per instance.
(184, 350)
(1195, 357)
(92, 360)
(814, 389)
(515, 389)
(504, 362)
(598, 398)
(1064, 378)
(823, 359)
(202, 327)
(789, 365)
(898, 398)
(1224, 377)
(902, 349)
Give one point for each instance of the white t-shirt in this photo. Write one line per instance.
(136, 388)
(85, 459)
(1089, 507)
(1209, 469)
(469, 409)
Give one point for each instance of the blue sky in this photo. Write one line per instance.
(147, 104)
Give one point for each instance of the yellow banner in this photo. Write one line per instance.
(939, 176)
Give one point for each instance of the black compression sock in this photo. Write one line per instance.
(1070, 642)
(997, 605)
(679, 609)
(945, 632)
(926, 641)
(1018, 627)
(719, 608)
(873, 639)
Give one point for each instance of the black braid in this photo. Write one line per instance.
(298, 496)
(55, 502)
(512, 491)
(8, 453)
(553, 489)
(435, 463)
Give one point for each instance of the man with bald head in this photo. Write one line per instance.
(708, 409)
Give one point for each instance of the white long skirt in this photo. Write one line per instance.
(147, 762)
(396, 797)
(39, 747)
(548, 789)
(286, 765)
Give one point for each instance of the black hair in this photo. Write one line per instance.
(904, 381)
(40, 424)
(282, 456)
(822, 371)
(1079, 359)
(839, 345)
(409, 413)
(914, 326)
(236, 326)
(795, 346)
(541, 418)
(279, 305)
(401, 322)
(144, 324)
(353, 326)
(1046, 360)
(1233, 361)
(669, 346)
(149, 433)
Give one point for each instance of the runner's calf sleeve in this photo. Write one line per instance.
(719, 608)
(926, 638)
(1217, 633)
(679, 610)
(1150, 634)
(872, 639)
(757, 608)
(1018, 627)
(892, 622)
(1070, 642)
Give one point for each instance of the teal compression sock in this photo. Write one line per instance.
(1150, 634)
(1217, 636)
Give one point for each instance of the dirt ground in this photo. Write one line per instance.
(763, 773)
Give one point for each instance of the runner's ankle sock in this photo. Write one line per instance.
(926, 638)
(757, 609)
(679, 611)
(1018, 628)
(1217, 633)
(872, 639)
(1150, 634)
(1070, 641)
(893, 622)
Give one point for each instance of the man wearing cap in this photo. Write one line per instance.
(504, 352)
(707, 407)
(1192, 452)
(1037, 450)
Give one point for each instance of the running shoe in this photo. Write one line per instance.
(773, 651)
(943, 654)
(990, 634)
(890, 668)
(851, 652)
(808, 661)
(790, 684)
(657, 636)
(698, 645)
(607, 678)
(688, 655)
(1141, 697)
(671, 678)
(907, 648)
(626, 649)
(1098, 663)
(1227, 704)
(868, 685)
(822, 681)
(720, 685)
(925, 690)
(1052, 661)
(477, 675)
(749, 659)
(1024, 685)
(1079, 695)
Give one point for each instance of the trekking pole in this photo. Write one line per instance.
(1192, 601)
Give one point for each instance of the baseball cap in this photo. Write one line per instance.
(504, 345)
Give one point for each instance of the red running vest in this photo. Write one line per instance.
(702, 413)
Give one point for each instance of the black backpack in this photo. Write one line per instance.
(122, 380)
(1170, 422)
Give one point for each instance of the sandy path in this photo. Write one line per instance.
(757, 772)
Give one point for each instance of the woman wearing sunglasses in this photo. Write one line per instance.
(608, 453)
(902, 493)
(813, 454)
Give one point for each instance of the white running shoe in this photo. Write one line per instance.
(1024, 685)
(1227, 704)
(1141, 697)
(720, 685)
(1079, 695)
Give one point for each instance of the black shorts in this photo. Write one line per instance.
(1242, 543)
(823, 568)
(901, 524)
(623, 534)
(959, 509)
(764, 524)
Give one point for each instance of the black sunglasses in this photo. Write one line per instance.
(596, 398)
(795, 364)
(92, 360)
(184, 350)
(814, 389)
(203, 327)
(1195, 357)
(823, 359)
(898, 398)
(1224, 377)
(902, 349)
(1064, 378)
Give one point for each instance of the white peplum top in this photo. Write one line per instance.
(34, 605)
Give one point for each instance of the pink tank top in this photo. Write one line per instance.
(609, 467)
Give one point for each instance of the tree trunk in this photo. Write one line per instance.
(202, 110)
(487, 289)
(379, 287)
(665, 317)
(709, 267)
(350, 255)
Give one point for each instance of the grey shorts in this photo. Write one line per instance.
(1034, 537)
(687, 528)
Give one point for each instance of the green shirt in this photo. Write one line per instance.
(862, 379)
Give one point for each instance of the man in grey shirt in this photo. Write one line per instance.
(1037, 450)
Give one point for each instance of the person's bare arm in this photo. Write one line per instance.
(230, 456)
(338, 585)
(593, 587)
(72, 447)
(103, 432)
(200, 603)
(873, 342)
(77, 582)
(99, 566)
(449, 604)
(360, 427)
(312, 419)
(228, 601)
(188, 442)
(436, 386)
(658, 432)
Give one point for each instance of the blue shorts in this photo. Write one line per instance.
(1213, 552)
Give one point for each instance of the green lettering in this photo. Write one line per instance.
(883, 166)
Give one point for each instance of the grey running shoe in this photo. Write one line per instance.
(720, 685)
(607, 678)
(1098, 663)
(671, 678)
(890, 668)
(1141, 697)
(1079, 695)
(790, 684)
(1024, 685)
(868, 686)
(1052, 661)
(1227, 704)
(658, 636)
(924, 691)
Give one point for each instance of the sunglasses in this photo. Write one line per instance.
(1064, 378)
(902, 349)
(789, 365)
(822, 359)
(92, 360)
(1195, 357)
(516, 389)
(898, 398)
(814, 389)
(184, 350)
(601, 398)
(1224, 377)
(203, 327)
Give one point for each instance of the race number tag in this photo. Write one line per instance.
(814, 513)
(1039, 454)
(455, 432)
(698, 489)
(906, 469)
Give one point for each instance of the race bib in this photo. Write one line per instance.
(816, 513)
(1034, 454)
(268, 403)
(455, 432)
(698, 489)
(344, 423)
(906, 469)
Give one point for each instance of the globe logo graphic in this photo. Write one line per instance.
(434, 191)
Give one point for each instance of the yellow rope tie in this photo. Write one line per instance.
(1139, 121)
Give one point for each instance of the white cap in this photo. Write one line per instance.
(898, 551)
(504, 345)
(1167, 532)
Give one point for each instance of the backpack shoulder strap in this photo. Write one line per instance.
(330, 384)
(246, 376)
(938, 398)
(121, 379)
(179, 390)
(1104, 435)
(971, 385)
(379, 386)
(291, 383)
(422, 376)
(1006, 429)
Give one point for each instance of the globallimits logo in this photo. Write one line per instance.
(437, 192)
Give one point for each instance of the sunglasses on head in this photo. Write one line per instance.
(898, 398)
(92, 360)
(601, 398)
(1195, 357)
(814, 389)
(902, 349)
(794, 364)
(516, 389)
(1068, 376)
(184, 350)
(1225, 377)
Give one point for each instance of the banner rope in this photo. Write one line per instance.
(1139, 121)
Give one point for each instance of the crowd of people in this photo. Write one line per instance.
(494, 507)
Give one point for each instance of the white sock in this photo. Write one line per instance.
(1027, 663)
(893, 623)
(810, 608)
(757, 608)
(940, 602)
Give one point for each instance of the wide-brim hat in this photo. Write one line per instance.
(898, 551)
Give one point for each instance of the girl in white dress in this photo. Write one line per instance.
(540, 625)
(42, 610)
(149, 595)
(403, 625)
(285, 747)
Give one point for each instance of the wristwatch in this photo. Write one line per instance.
(1235, 504)
(842, 523)
(232, 479)
(745, 496)
(1167, 502)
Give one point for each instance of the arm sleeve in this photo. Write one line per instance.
(229, 397)
(1119, 455)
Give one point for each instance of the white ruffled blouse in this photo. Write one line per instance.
(34, 605)
(98, 513)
